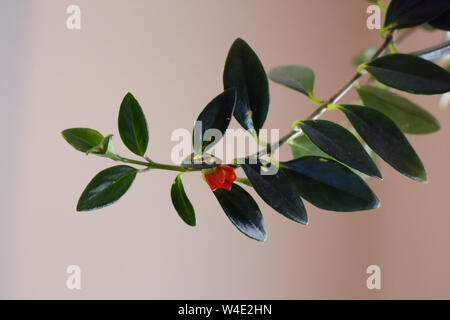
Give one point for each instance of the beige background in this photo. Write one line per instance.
(170, 54)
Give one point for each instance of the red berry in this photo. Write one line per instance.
(221, 177)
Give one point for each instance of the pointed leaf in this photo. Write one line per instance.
(181, 202)
(386, 139)
(298, 78)
(411, 13)
(82, 139)
(133, 125)
(216, 115)
(107, 187)
(409, 117)
(329, 185)
(302, 146)
(245, 73)
(243, 211)
(410, 73)
(277, 191)
(341, 144)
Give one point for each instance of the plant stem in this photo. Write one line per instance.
(155, 165)
(291, 135)
(332, 100)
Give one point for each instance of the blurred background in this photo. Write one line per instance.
(170, 55)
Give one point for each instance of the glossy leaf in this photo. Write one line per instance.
(245, 73)
(385, 138)
(364, 56)
(243, 211)
(181, 202)
(410, 73)
(339, 143)
(408, 116)
(107, 187)
(329, 185)
(411, 13)
(216, 115)
(298, 78)
(277, 191)
(302, 146)
(442, 22)
(133, 125)
(82, 139)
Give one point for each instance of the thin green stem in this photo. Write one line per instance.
(154, 165)
(291, 135)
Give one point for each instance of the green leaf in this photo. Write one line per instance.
(243, 211)
(277, 191)
(105, 149)
(364, 56)
(329, 185)
(181, 202)
(386, 139)
(82, 139)
(442, 22)
(245, 73)
(216, 115)
(302, 146)
(133, 125)
(341, 144)
(411, 13)
(409, 117)
(410, 73)
(107, 187)
(298, 78)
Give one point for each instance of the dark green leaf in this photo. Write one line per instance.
(277, 191)
(298, 78)
(243, 211)
(411, 13)
(442, 22)
(181, 202)
(216, 115)
(82, 139)
(409, 117)
(329, 185)
(339, 143)
(245, 73)
(386, 139)
(364, 56)
(410, 73)
(106, 188)
(302, 146)
(133, 125)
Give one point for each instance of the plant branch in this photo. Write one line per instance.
(332, 100)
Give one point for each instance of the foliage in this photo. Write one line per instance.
(331, 161)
